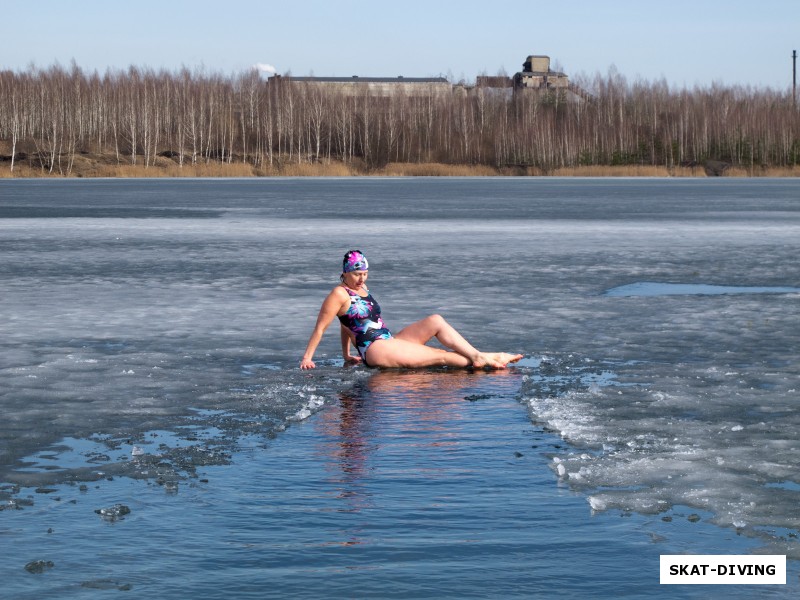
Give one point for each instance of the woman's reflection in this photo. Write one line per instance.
(383, 417)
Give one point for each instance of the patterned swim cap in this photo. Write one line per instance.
(354, 261)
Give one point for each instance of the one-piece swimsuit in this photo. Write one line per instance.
(363, 318)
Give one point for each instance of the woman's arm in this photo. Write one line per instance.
(346, 341)
(330, 308)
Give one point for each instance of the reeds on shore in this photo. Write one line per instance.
(106, 167)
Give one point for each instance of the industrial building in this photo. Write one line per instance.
(376, 86)
(535, 75)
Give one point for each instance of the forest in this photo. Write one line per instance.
(55, 119)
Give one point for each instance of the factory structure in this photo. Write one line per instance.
(536, 76)
(376, 86)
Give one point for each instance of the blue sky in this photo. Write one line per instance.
(686, 42)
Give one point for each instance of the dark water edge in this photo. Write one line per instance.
(412, 484)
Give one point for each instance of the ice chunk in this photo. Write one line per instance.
(113, 513)
(597, 503)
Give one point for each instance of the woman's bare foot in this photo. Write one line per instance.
(495, 360)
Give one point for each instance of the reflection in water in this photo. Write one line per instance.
(381, 420)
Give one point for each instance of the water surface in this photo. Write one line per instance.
(152, 330)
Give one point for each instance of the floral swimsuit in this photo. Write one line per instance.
(363, 318)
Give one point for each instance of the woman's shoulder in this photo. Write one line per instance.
(339, 291)
(337, 296)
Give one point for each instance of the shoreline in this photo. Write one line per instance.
(104, 166)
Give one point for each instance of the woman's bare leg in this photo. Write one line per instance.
(398, 352)
(435, 326)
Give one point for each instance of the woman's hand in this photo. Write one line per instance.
(352, 360)
(330, 308)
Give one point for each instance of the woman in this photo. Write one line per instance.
(362, 325)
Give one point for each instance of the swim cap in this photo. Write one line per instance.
(354, 261)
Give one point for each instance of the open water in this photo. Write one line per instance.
(157, 437)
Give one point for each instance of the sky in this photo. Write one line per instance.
(688, 43)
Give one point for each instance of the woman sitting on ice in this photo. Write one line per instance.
(362, 325)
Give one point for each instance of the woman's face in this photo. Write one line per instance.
(355, 279)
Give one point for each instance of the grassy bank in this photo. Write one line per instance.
(107, 166)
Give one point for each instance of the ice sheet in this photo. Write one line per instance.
(159, 303)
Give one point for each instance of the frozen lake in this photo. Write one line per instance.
(152, 329)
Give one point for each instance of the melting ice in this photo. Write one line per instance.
(184, 306)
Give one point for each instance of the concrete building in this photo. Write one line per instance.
(536, 74)
(376, 86)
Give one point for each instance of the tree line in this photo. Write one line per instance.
(48, 116)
